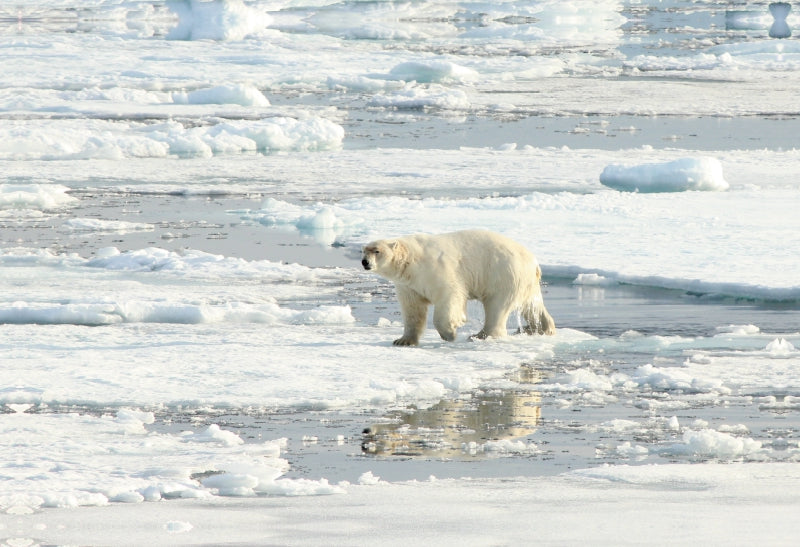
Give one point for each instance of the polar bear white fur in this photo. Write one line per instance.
(447, 270)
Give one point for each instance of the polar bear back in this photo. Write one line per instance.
(478, 262)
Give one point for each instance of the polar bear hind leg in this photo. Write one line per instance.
(538, 319)
(496, 310)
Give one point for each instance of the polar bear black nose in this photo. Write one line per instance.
(365, 263)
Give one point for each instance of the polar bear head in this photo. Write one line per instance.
(385, 256)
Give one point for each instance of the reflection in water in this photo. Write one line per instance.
(780, 28)
(144, 19)
(777, 21)
(490, 423)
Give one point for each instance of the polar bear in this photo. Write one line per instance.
(446, 270)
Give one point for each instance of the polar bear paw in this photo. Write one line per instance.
(406, 341)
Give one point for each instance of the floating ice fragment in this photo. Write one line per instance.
(118, 140)
(675, 379)
(368, 479)
(98, 225)
(133, 421)
(741, 330)
(432, 71)
(780, 347)
(620, 425)
(579, 380)
(433, 96)
(593, 279)
(34, 196)
(626, 450)
(737, 429)
(151, 493)
(241, 94)
(704, 173)
(323, 225)
(215, 435)
(503, 447)
(232, 484)
(215, 20)
(709, 444)
(127, 497)
(699, 358)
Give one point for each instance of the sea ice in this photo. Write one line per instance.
(165, 103)
(215, 19)
(241, 94)
(675, 176)
(709, 444)
(35, 196)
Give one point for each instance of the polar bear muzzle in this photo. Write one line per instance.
(369, 257)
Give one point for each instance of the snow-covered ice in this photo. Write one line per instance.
(191, 354)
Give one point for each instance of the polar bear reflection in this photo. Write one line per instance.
(447, 270)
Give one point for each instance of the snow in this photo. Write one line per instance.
(132, 465)
(579, 507)
(169, 378)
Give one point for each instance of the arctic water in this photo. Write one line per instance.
(189, 345)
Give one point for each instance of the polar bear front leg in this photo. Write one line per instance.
(448, 314)
(414, 308)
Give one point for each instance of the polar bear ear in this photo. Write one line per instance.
(399, 251)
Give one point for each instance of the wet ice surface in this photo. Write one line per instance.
(526, 431)
(184, 191)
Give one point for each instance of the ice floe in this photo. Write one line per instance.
(675, 176)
